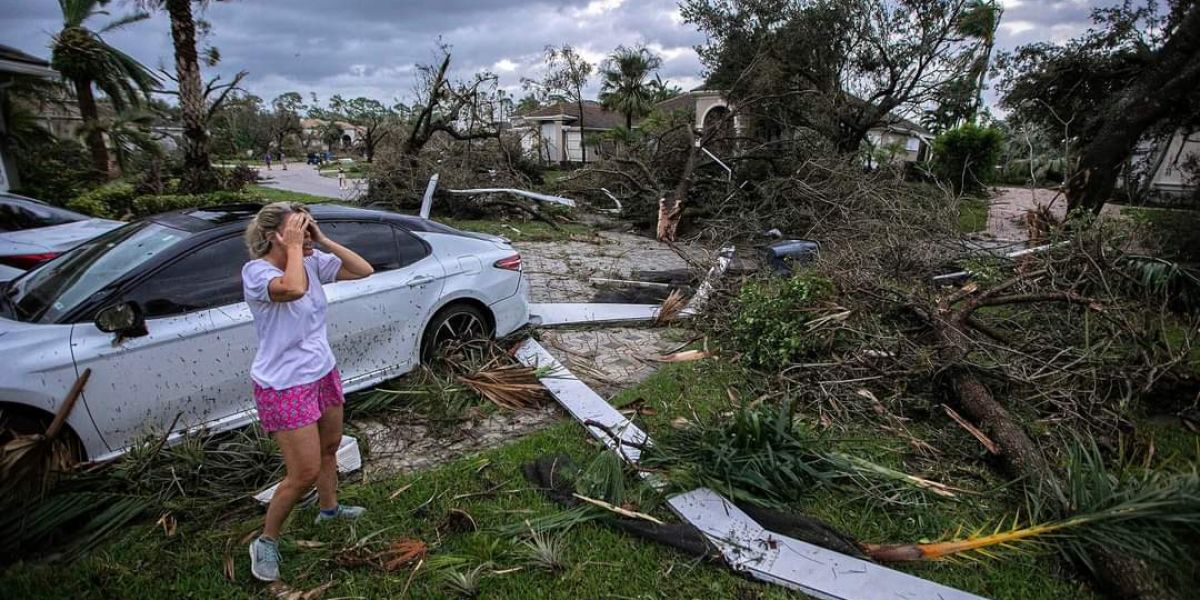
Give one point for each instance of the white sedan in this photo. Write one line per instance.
(155, 310)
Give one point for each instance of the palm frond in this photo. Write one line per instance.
(124, 21)
(1146, 516)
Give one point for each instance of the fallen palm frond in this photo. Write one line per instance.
(508, 386)
(29, 462)
(869, 472)
(759, 456)
(76, 521)
(1145, 517)
(398, 554)
(671, 306)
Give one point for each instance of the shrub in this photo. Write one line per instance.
(966, 156)
(770, 324)
(110, 201)
(150, 205)
(55, 171)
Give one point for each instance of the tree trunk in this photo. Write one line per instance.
(198, 176)
(1121, 576)
(91, 121)
(1171, 74)
(670, 206)
(628, 121)
(582, 143)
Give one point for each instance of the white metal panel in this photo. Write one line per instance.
(584, 404)
(797, 565)
(549, 314)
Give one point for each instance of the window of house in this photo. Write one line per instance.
(208, 277)
(912, 144)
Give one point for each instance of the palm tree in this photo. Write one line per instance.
(86, 60)
(198, 174)
(980, 20)
(625, 82)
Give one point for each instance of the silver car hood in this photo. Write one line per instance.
(56, 238)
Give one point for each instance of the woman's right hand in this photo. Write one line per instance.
(292, 233)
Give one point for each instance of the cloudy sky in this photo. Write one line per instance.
(369, 47)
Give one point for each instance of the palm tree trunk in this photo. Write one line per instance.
(91, 121)
(628, 121)
(198, 176)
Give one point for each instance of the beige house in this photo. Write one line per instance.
(314, 128)
(553, 134)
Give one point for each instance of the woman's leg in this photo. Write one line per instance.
(301, 449)
(329, 427)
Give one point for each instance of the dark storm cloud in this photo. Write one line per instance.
(366, 47)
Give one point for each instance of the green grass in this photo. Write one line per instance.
(601, 562)
(972, 215)
(521, 231)
(271, 194)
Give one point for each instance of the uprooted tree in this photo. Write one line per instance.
(1135, 76)
(836, 67)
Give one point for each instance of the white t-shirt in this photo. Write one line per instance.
(293, 348)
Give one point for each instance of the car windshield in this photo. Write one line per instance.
(57, 287)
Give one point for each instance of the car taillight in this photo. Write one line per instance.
(27, 261)
(512, 263)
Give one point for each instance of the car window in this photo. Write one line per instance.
(375, 242)
(207, 277)
(15, 216)
(59, 286)
(411, 248)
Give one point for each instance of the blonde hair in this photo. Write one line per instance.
(261, 230)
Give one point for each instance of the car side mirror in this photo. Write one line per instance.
(125, 320)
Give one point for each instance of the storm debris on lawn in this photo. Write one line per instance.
(508, 386)
(398, 554)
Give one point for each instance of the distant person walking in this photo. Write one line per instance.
(341, 177)
(282, 160)
(297, 387)
(267, 159)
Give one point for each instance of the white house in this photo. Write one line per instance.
(1169, 161)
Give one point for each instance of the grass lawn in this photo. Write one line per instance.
(972, 215)
(271, 194)
(599, 562)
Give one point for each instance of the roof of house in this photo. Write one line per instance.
(595, 116)
(313, 123)
(15, 61)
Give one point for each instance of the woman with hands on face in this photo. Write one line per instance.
(297, 387)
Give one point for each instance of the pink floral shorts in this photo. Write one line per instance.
(297, 406)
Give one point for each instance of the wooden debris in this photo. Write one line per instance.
(973, 430)
(617, 509)
(685, 356)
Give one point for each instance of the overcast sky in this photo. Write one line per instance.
(369, 47)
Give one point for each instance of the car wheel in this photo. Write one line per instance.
(457, 329)
(20, 422)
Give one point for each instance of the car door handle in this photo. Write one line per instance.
(419, 280)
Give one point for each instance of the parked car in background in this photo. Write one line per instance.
(32, 232)
(155, 310)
